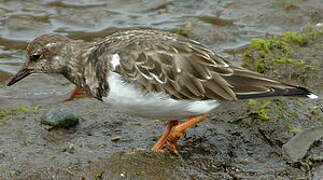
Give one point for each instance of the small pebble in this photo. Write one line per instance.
(59, 117)
(69, 149)
(2, 154)
(102, 145)
(116, 138)
(319, 24)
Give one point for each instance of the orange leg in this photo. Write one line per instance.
(158, 147)
(77, 93)
(174, 131)
(179, 131)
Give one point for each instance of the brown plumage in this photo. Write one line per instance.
(153, 60)
(151, 73)
(185, 69)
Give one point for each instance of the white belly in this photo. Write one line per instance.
(124, 97)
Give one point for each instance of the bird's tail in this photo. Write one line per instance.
(291, 91)
(247, 84)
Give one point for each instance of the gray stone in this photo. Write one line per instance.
(60, 117)
(296, 148)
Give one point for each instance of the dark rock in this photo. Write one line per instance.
(60, 117)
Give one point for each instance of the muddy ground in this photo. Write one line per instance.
(242, 140)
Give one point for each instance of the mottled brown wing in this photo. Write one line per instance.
(182, 69)
(163, 62)
(185, 69)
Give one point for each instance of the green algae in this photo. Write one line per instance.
(259, 109)
(285, 57)
(4, 113)
(256, 110)
(264, 54)
(274, 110)
(292, 129)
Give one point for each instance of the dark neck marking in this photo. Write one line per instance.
(88, 71)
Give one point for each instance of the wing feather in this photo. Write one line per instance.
(184, 69)
(172, 68)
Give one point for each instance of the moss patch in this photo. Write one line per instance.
(294, 58)
(4, 113)
(280, 110)
(280, 54)
(259, 109)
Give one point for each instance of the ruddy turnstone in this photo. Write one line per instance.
(153, 74)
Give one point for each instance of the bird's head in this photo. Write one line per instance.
(47, 53)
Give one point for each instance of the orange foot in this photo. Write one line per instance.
(173, 132)
(158, 147)
(77, 93)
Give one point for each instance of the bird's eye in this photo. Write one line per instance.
(35, 57)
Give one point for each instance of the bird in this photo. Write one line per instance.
(153, 74)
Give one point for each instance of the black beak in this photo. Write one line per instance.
(22, 73)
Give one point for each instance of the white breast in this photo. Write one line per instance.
(125, 97)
